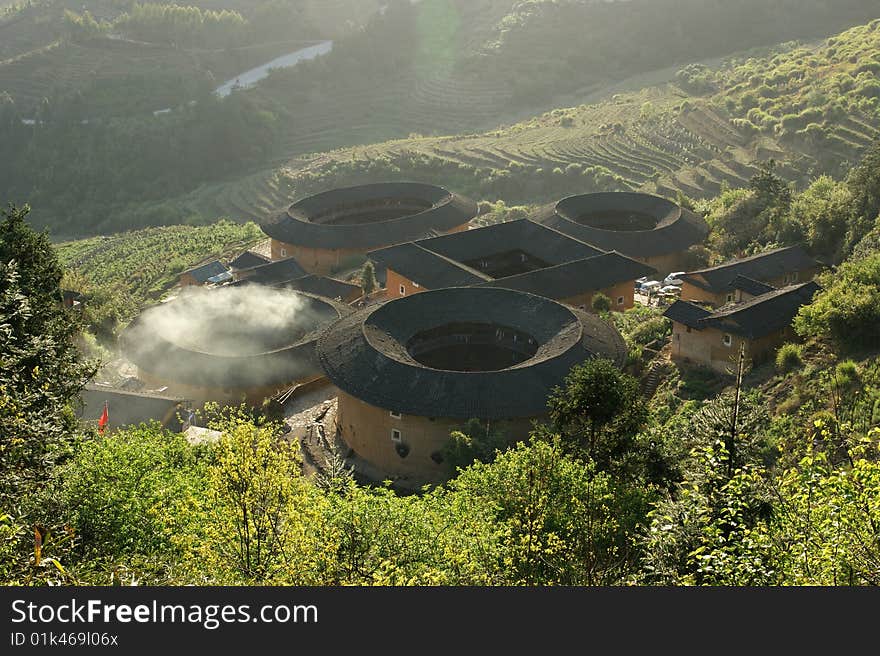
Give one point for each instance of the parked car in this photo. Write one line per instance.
(650, 287)
(670, 289)
(674, 278)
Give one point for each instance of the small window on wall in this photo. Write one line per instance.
(729, 298)
(402, 290)
(395, 435)
(396, 415)
(727, 339)
(620, 300)
(283, 252)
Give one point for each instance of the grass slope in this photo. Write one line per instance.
(814, 109)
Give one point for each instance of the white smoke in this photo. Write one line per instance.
(237, 321)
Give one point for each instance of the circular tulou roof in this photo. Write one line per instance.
(604, 220)
(431, 208)
(366, 354)
(221, 339)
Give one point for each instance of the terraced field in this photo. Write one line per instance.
(143, 263)
(662, 139)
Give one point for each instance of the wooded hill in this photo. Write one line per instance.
(410, 71)
(812, 108)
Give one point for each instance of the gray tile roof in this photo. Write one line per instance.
(577, 277)
(431, 270)
(169, 360)
(751, 286)
(273, 272)
(677, 228)
(323, 286)
(689, 314)
(204, 272)
(365, 354)
(762, 315)
(545, 243)
(446, 211)
(439, 262)
(247, 260)
(765, 266)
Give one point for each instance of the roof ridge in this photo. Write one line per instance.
(743, 260)
(463, 267)
(735, 308)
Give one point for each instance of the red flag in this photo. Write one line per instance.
(102, 422)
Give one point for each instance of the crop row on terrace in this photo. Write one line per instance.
(145, 261)
(662, 139)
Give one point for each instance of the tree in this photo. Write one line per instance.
(600, 303)
(40, 370)
(264, 521)
(133, 492)
(476, 440)
(847, 309)
(561, 521)
(368, 279)
(598, 411)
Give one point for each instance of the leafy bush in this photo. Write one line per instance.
(789, 357)
(656, 328)
(848, 309)
(601, 303)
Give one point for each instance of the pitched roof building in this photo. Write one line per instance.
(521, 255)
(248, 260)
(272, 273)
(712, 337)
(203, 273)
(775, 268)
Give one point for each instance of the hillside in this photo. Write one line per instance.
(154, 60)
(429, 69)
(122, 273)
(452, 66)
(814, 109)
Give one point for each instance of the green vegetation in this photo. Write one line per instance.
(667, 139)
(775, 485)
(846, 310)
(771, 481)
(789, 357)
(123, 273)
(600, 303)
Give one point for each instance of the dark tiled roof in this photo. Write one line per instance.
(578, 277)
(326, 287)
(274, 272)
(765, 314)
(128, 408)
(247, 260)
(365, 353)
(428, 269)
(545, 243)
(751, 286)
(677, 228)
(202, 273)
(764, 266)
(686, 313)
(446, 212)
